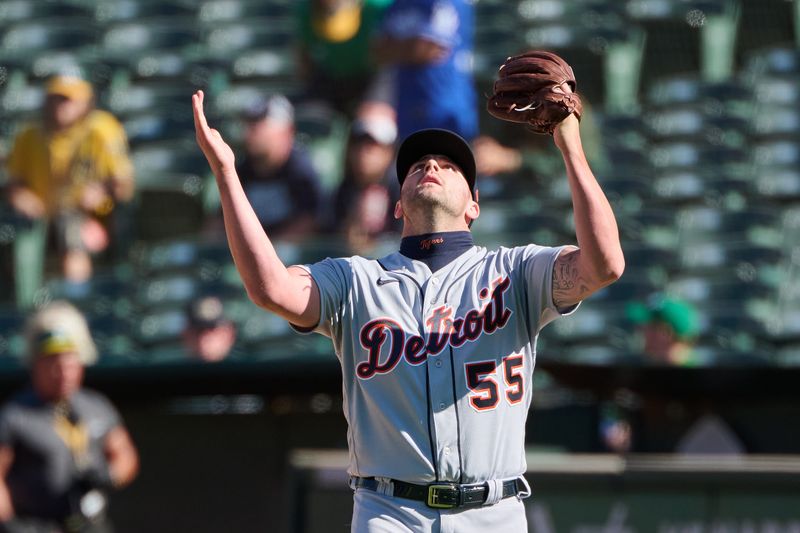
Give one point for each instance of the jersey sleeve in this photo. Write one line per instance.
(435, 21)
(536, 264)
(334, 280)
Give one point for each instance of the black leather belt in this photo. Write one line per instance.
(443, 495)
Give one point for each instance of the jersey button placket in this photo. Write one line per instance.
(441, 388)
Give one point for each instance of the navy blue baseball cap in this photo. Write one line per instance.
(436, 141)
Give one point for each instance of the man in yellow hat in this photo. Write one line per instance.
(71, 168)
(62, 447)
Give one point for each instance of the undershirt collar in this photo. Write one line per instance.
(436, 249)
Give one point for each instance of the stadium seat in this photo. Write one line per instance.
(147, 96)
(12, 345)
(26, 40)
(680, 121)
(594, 322)
(166, 290)
(171, 187)
(15, 11)
(158, 327)
(130, 39)
(781, 120)
(158, 126)
(705, 223)
(214, 12)
(228, 40)
(111, 12)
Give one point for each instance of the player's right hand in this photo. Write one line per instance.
(218, 154)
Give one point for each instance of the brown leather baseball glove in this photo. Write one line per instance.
(535, 88)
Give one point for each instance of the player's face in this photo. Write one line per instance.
(436, 181)
(57, 377)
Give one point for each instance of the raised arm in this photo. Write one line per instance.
(598, 261)
(290, 293)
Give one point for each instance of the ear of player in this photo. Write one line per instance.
(535, 88)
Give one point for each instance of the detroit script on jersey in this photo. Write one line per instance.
(437, 366)
(441, 330)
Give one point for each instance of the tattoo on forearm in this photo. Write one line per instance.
(569, 286)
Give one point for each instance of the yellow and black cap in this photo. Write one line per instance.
(54, 342)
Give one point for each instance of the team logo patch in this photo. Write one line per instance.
(425, 244)
(441, 330)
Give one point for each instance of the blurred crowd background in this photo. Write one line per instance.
(692, 126)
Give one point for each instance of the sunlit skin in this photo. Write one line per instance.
(57, 377)
(434, 197)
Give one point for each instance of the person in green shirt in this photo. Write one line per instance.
(334, 49)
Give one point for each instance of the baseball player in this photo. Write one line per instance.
(436, 341)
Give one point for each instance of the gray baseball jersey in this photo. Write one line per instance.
(437, 366)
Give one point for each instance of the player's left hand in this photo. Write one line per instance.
(218, 154)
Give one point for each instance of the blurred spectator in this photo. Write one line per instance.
(668, 328)
(277, 175)
(364, 206)
(62, 447)
(616, 432)
(430, 44)
(208, 336)
(335, 59)
(71, 168)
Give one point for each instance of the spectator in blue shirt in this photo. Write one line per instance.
(429, 45)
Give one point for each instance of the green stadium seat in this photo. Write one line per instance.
(16, 11)
(595, 322)
(24, 41)
(12, 345)
(633, 286)
(115, 11)
(147, 96)
(171, 184)
(158, 327)
(213, 12)
(229, 40)
(702, 223)
(680, 121)
(166, 290)
(777, 121)
(268, 64)
(158, 126)
(129, 39)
